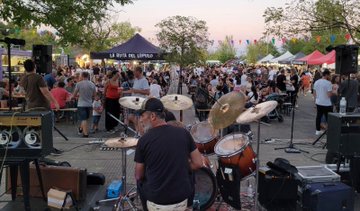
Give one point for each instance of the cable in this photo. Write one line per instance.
(7, 143)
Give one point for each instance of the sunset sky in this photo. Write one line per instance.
(240, 18)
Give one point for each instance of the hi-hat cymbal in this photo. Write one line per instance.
(256, 112)
(176, 102)
(225, 111)
(132, 102)
(121, 142)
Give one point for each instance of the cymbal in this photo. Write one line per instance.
(256, 112)
(224, 112)
(121, 142)
(132, 102)
(176, 102)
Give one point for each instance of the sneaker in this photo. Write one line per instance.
(80, 131)
(318, 132)
(92, 131)
(85, 136)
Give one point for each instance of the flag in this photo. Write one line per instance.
(332, 38)
(318, 39)
(273, 41)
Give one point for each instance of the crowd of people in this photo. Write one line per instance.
(207, 84)
(93, 91)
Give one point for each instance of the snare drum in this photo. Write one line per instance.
(234, 149)
(205, 137)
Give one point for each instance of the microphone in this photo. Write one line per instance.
(14, 41)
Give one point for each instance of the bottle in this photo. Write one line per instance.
(250, 191)
(342, 106)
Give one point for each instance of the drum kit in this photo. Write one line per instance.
(233, 149)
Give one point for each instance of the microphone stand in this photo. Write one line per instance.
(291, 148)
(122, 124)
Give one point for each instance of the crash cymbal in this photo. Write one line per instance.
(121, 142)
(176, 102)
(225, 111)
(256, 112)
(132, 102)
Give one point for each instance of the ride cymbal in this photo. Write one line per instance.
(132, 102)
(225, 111)
(121, 142)
(176, 102)
(256, 112)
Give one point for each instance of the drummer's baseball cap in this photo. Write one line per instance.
(153, 105)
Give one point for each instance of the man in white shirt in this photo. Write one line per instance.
(155, 89)
(244, 78)
(272, 73)
(322, 94)
(214, 82)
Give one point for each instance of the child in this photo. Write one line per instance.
(97, 110)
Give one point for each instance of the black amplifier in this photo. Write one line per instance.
(343, 134)
(25, 135)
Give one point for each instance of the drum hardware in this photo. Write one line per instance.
(123, 143)
(254, 114)
(123, 124)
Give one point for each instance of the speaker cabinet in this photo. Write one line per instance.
(42, 55)
(346, 59)
(343, 134)
(25, 135)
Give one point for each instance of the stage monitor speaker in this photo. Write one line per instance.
(42, 55)
(346, 59)
(343, 133)
(25, 135)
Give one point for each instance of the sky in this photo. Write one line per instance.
(240, 18)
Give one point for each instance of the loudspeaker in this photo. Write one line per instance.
(25, 135)
(346, 59)
(42, 55)
(343, 133)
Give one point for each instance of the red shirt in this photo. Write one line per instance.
(60, 95)
(112, 91)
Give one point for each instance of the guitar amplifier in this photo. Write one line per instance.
(25, 135)
(343, 134)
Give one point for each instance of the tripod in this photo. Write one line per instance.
(291, 148)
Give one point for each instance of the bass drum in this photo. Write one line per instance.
(205, 189)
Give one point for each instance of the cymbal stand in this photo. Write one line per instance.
(122, 124)
(257, 166)
(123, 198)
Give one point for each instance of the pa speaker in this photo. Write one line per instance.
(42, 55)
(346, 59)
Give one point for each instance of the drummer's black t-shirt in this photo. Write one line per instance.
(165, 151)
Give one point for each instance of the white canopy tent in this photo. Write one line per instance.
(286, 55)
(266, 59)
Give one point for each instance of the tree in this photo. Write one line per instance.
(225, 51)
(185, 39)
(68, 17)
(301, 17)
(256, 51)
(104, 35)
(29, 34)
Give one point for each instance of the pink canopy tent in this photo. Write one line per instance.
(328, 59)
(314, 55)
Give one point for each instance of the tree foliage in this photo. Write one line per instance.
(104, 35)
(301, 17)
(258, 50)
(185, 39)
(225, 51)
(68, 17)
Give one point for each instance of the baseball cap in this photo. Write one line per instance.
(153, 105)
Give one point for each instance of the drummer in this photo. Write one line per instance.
(165, 185)
(140, 88)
